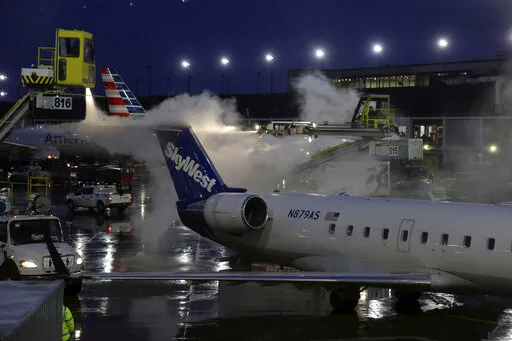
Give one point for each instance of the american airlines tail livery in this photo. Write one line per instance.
(341, 242)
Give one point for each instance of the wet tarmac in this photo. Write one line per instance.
(174, 310)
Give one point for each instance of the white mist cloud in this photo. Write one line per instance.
(321, 101)
(242, 158)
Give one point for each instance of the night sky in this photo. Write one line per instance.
(129, 35)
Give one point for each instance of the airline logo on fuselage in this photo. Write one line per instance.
(189, 167)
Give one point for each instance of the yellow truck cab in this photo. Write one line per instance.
(70, 63)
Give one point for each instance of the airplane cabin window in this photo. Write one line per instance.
(444, 239)
(405, 235)
(467, 241)
(367, 232)
(490, 243)
(424, 237)
(385, 234)
(332, 228)
(350, 230)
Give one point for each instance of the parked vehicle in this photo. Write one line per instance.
(99, 197)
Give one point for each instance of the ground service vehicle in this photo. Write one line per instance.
(25, 247)
(373, 117)
(70, 63)
(99, 197)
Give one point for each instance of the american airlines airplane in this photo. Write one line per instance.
(341, 242)
(69, 139)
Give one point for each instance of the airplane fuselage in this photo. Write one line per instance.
(467, 248)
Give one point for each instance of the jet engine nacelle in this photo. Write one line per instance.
(236, 212)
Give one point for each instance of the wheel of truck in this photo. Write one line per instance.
(71, 205)
(10, 272)
(100, 206)
(73, 287)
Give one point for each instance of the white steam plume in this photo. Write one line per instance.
(321, 101)
(242, 158)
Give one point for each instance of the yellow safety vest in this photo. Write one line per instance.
(68, 324)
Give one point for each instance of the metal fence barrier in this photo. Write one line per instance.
(43, 322)
(18, 193)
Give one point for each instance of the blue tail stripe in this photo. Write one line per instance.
(192, 171)
(135, 110)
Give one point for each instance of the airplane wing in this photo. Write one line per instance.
(361, 279)
(18, 145)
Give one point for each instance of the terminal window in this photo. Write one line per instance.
(444, 239)
(367, 232)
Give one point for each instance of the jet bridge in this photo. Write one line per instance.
(14, 116)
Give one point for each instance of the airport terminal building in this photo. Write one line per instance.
(464, 108)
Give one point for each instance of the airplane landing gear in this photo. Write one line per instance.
(344, 300)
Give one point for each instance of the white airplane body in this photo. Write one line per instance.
(69, 139)
(338, 241)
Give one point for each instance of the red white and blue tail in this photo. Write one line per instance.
(121, 100)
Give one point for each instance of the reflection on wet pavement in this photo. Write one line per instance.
(174, 310)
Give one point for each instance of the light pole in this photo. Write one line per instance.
(149, 83)
(270, 59)
(3, 78)
(185, 64)
(443, 43)
(258, 74)
(224, 62)
(377, 50)
(320, 55)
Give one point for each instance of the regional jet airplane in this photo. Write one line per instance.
(341, 242)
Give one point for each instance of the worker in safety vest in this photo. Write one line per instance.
(68, 324)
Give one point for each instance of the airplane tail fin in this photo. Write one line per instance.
(192, 171)
(121, 100)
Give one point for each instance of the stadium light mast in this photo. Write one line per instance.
(377, 50)
(443, 44)
(185, 65)
(3, 78)
(270, 59)
(224, 62)
(320, 55)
